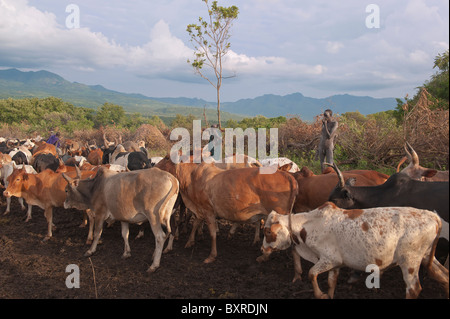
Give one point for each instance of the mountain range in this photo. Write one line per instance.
(17, 84)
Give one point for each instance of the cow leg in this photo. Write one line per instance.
(160, 238)
(85, 220)
(257, 237)
(8, 206)
(411, 278)
(332, 281)
(169, 246)
(233, 228)
(30, 208)
(195, 224)
(297, 266)
(125, 233)
(440, 274)
(321, 266)
(211, 222)
(22, 206)
(98, 228)
(90, 236)
(48, 213)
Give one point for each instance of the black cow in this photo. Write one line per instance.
(20, 158)
(44, 161)
(398, 190)
(132, 160)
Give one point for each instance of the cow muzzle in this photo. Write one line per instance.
(266, 252)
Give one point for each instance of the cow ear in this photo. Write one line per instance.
(286, 167)
(351, 181)
(429, 173)
(346, 194)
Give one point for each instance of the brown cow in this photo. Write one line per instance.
(238, 195)
(46, 190)
(95, 157)
(231, 162)
(314, 190)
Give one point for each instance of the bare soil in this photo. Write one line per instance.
(33, 269)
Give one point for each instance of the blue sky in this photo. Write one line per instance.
(318, 48)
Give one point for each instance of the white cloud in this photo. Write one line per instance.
(32, 38)
(282, 45)
(334, 47)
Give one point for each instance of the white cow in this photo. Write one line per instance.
(5, 171)
(331, 238)
(280, 161)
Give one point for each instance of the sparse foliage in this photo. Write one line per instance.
(210, 38)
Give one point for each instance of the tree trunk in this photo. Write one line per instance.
(218, 107)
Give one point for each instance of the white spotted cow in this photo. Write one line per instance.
(331, 238)
(280, 162)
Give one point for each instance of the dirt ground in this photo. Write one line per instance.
(33, 269)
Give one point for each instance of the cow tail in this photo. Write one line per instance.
(173, 193)
(435, 242)
(294, 191)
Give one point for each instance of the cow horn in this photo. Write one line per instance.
(77, 169)
(413, 154)
(67, 178)
(341, 181)
(105, 141)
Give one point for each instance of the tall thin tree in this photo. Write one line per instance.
(211, 42)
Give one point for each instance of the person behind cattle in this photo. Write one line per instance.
(54, 139)
(327, 138)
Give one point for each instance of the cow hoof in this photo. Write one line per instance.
(46, 238)
(6, 213)
(88, 254)
(262, 258)
(324, 296)
(152, 269)
(140, 235)
(89, 242)
(126, 255)
(189, 244)
(209, 260)
(297, 277)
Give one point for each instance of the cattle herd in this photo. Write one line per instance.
(335, 219)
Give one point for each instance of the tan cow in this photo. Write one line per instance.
(46, 190)
(331, 238)
(237, 195)
(417, 172)
(130, 197)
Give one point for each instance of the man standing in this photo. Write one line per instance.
(327, 138)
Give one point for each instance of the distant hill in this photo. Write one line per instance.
(18, 84)
(40, 84)
(307, 108)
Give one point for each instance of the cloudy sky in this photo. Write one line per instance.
(318, 48)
